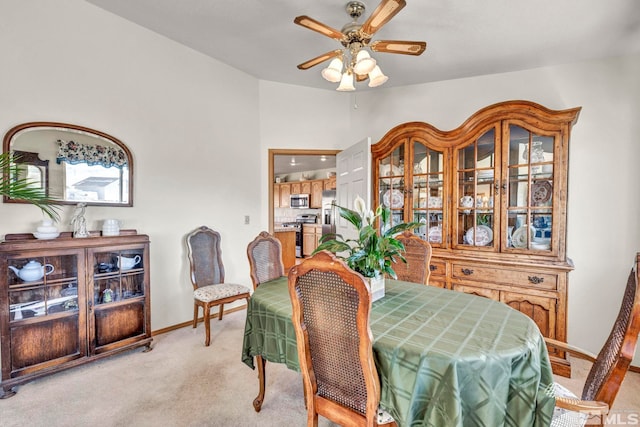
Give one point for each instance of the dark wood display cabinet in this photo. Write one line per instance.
(492, 198)
(65, 302)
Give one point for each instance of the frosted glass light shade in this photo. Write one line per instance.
(364, 63)
(333, 72)
(376, 77)
(346, 84)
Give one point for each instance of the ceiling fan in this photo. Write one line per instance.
(355, 38)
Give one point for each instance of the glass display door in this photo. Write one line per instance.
(477, 197)
(529, 191)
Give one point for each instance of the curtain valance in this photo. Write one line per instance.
(73, 152)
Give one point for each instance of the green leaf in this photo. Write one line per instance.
(372, 253)
(22, 189)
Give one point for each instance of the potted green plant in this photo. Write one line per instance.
(373, 253)
(22, 188)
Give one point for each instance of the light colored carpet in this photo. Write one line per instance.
(183, 383)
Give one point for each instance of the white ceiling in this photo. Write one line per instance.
(464, 37)
(282, 164)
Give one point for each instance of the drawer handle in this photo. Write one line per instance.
(467, 271)
(536, 280)
(433, 267)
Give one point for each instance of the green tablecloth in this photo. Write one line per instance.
(444, 358)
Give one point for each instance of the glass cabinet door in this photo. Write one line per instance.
(41, 286)
(391, 185)
(428, 192)
(476, 200)
(530, 215)
(118, 275)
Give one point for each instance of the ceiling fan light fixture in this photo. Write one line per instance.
(333, 73)
(355, 56)
(364, 63)
(377, 77)
(346, 83)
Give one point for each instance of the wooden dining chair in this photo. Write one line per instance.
(265, 259)
(207, 277)
(609, 367)
(418, 256)
(331, 305)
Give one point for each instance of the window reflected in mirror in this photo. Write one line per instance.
(95, 183)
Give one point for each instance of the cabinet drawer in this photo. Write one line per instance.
(479, 291)
(488, 274)
(438, 268)
(437, 283)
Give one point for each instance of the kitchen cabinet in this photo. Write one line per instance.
(311, 234)
(492, 198)
(296, 188)
(85, 308)
(285, 192)
(288, 242)
(276, 195)
(330, 183)
(314, 188)
(317, 187)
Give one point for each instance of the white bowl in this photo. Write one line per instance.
(46, 236)
(540, 246)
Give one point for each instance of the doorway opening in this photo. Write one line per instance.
(280, 164)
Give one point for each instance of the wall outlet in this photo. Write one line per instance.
(247, 220)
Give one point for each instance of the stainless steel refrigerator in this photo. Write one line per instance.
(329, 212)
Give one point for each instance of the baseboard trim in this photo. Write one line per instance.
(635, 369)
(190, 322)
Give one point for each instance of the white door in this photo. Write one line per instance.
(353, 169)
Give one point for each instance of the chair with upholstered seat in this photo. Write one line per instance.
(265, 259)
(331, 305)
(418, 256)
(207, 277)
(609, 366)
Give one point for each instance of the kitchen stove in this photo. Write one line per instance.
(297, 225)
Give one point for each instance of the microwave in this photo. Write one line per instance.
(299, 201)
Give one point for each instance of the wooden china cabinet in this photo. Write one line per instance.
(84, 308)
(492, 195)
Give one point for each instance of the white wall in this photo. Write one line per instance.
(191, 122)
(295, 117)
(604, 203)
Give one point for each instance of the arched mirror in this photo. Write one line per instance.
(72, 163)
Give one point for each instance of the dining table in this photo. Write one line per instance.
(444, 358)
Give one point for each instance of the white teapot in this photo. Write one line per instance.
(466, 201)
(32, 271)
(125, 263)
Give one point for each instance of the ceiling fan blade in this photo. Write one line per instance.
(314, 25)
(386, 10)
(399, 46)
(318, 59)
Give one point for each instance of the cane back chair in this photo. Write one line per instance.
(418, 256)
(207, 277)
(265, 259)
(609, 366)
(331, 305)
